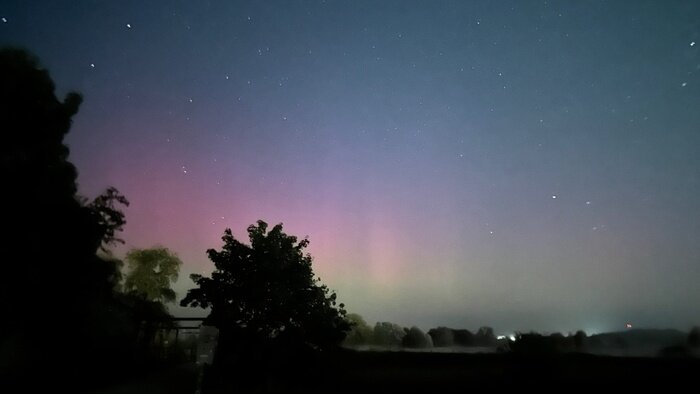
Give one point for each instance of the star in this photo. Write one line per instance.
(128, 25)
(92, 65)
(4, 20)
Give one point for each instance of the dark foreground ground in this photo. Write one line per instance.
(404, 372)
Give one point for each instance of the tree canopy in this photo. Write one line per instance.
(360, 332)
(151, 272)
(267, 291)
(52, 272)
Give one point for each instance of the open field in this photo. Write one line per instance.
(402, 372)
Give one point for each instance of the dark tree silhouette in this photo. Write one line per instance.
(580, 340)
(415, 338)
(265, 295)
(388, 334)
(360, 332)
(442, 336)
(51, 271)
(485, 337)
(464, 337)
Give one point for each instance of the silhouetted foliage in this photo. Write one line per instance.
(580, 340)
(108, 218)
(151, 272)
(51, 272)
(415, 338)
(442, 336)
(388, 334)
(485, 337)
(265, 295)
(360, 333)
(534, 343)
(464, 338)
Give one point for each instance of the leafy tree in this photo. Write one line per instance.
(265, 293)
(388, 334)
(442, 336)
(464, 337)
(580, 340)
(151, 272)
(108, 219)
(54, 274)
(415, 338)
(360, 333)
(485, 337)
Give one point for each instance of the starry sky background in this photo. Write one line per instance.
(519, 164)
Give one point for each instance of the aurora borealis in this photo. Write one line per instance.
(519, 164)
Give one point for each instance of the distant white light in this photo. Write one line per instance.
(128, 25)
(491, 232)
(554, 196)
(692, 44)
(4, 20)
(227, 77)
(512, 337)
(92, 65)
(190, 100)
(684, 84)
(588, 203)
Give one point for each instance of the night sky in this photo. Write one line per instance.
(518, 164)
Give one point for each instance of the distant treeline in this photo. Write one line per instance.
(637, 342)
(391, 335)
